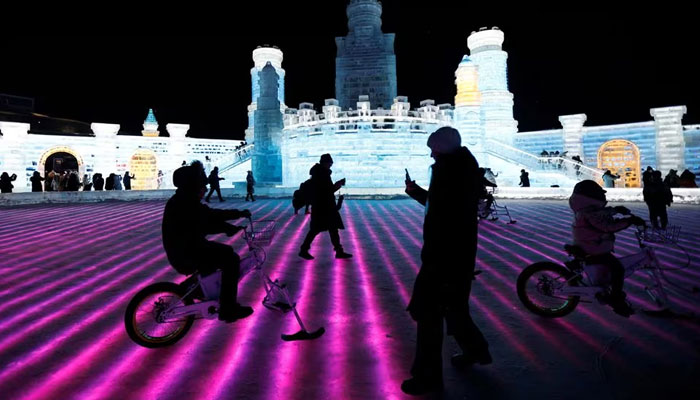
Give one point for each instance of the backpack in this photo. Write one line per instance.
(303, 195)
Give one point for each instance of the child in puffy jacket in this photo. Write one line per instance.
(594, 232)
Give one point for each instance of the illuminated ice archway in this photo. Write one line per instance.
(621, 157)
(61, 149)
(144, 166)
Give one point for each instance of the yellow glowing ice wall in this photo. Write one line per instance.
(467, 113)
(467, 81)
(144, 166)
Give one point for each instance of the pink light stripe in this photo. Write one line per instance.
(234, 355)
(285, 374)
(44, 388)
(56, 343)
(57, 227)
(405, 297)
(57, 256)
(59, 272)
(168, 376)
(35, 325)
(109, 378)
(501, 328)
(387, 371)
(509, 304)
(30, 309)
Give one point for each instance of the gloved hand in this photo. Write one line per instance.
(232, 229)
(246, 214)
(635, 220)
(623, 210)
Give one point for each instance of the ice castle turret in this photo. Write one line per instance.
(467, 112)
(365, 62)
(261, 56)
(496, 101)
(150, 125)
(268, 125)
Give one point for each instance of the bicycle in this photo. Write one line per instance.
(561, 288)
(162, 313)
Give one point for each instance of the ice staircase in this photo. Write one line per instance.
(566, 168)
(236, 158)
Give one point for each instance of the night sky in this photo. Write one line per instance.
(612, 65)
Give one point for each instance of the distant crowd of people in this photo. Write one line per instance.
(69, 181)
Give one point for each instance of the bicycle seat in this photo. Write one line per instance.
(575, 251)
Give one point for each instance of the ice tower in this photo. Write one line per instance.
(496, 101)
(268, 124)
(365, 62)
(467, 113)
(261, 56)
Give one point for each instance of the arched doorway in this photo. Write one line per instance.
(144, 166)
(60, 159)
(621, 157)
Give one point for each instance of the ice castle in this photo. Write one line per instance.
(372, 139)
(371, 131)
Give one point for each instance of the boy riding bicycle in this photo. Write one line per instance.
(594, 230)
(187, 222)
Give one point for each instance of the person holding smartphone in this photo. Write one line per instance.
(325, 215)
(443, 285)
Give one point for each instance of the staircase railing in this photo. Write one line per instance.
(240, 156)
(563, 165)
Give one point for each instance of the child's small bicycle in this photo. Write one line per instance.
(162, 313)
(553, 290)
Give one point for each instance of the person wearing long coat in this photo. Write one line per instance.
(324, 211)
(36, 180)
(443, 285)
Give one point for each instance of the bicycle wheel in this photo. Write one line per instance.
(537, 289)
(143, 317)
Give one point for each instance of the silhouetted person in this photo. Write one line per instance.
(324, 210)
(184, 163)
(250, 185)
(214, 184)
(657, 196)
(98, 181)
(672, 180)
(646, 175)
(594, 230)
(443, 284)
(127, 180)
(187, 222)
(687, 179)
(36, 182)
(524, 178)
(87, 183)
(109, 182)
(72, 182)
(544, 153)
(6, 180)
(609, 179)
(579, 162)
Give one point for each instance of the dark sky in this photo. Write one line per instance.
(612, 65)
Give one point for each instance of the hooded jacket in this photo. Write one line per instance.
(594, 225)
